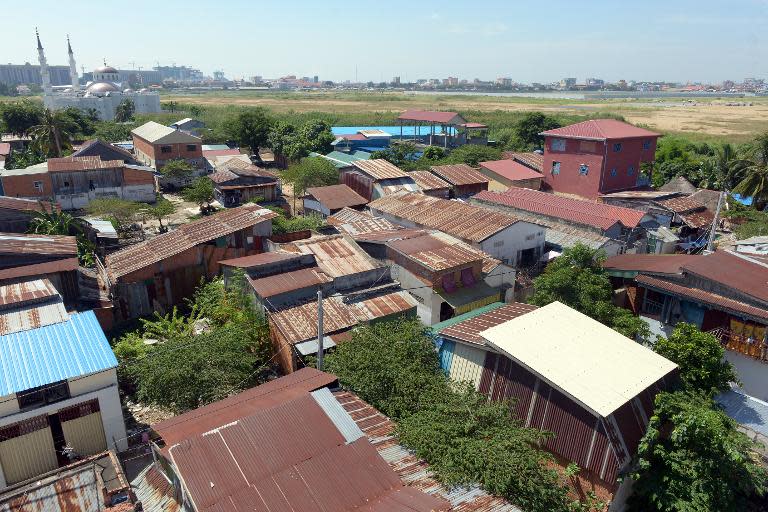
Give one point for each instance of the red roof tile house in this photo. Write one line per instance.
(503, 174)
(596, 157)
(285, 445)
(160, 272)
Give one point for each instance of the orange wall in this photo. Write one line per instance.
(23, 186)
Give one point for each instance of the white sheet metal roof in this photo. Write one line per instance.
(155, 132)
(586, 360)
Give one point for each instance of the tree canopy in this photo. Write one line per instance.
(313, 136)
(529, 127)
(19, 117)
(161, 209)
(251, 128)
(201, 193)
(125, 110)
(120, 212)
(54, 133)
(177, 168)
(311, 172)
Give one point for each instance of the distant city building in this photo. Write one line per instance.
(316, 79)
(395, 80)
(594, 82)
(452, 80)
(140, 77)
(103, 94)
(505, 82)
(567, 82)
(30, 74)
(179, 73)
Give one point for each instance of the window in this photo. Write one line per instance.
(66, 184)
(38, 185)
(165, 149)
(583, 169)
(613, 172)
(630, 171)
(617, 147)
(191, 147)
(646, 145)
(43, 395)
(557, 145)
(588, 146)
(555, 167)
(530, 237)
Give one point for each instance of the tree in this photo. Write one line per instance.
(251, 128)
(701, 359)
(577, 279)
(161, 209)
(201, 193)
(56, 222)
(54, 133)
(401, 154)
(170, 106)
(20, 117)
(195, 111)
(310, 172)
(280, 136)
(80, 119)
(125, 110)
(755, 174)
(24, 159)
(692, 458)
(471, 154)
(530, 126)
(433, 153)
(120, 212)
(111, 131)
(317, 136)
(177, 169)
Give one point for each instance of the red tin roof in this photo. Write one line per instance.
(469, 330)
(533, 160)
(739, 273)
(511, 170)
(579, 211)
(51, 245)
(335, 197)
(653, 263)
(600, 129)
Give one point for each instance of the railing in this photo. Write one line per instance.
(748, 346)
(652, 308)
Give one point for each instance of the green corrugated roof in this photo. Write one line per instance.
(466, 316)
(341, 159)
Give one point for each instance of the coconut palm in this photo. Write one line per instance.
(724, 169)
(54, 133)
(754, 183)
(52, 222)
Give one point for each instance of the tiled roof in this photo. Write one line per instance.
(699, 295)
(428, 181)
(600, 129)
(462, 220)
(681, 204)
(511, 170)
(590, 213)
(82, 163)
(471, 324)
(380, 169)
(184, 237)
(533, 160)
(432, 117)
(678, 184)
(335, 197)
(737, 272)
(459, 174)
(54, 352)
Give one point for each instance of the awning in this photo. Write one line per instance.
(550, 255)
(466, 299)
(309, 347)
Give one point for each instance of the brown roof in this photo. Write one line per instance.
(380, 169)
(459, 174)
(255, 260)
(203, 419)
(354, 221)
(26, 292)
(50, 245)
(435, 253)
(30, 304)
(681, 204)
(242, 168)
(289, 281)
(699, 295)
(511, 170)
(653, 263)
(336, 255)
(428, 181)
(708, 198)
(469, 330)
(462, 220)
(739, 273)
(299, 323)
(81, 163)
(432, 116)
(600, 129)
(184, 237)
(15, 203)
(678, 184)
(698, 219)
(533, 160)
(335, 197)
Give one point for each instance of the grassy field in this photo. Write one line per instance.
(707, 119)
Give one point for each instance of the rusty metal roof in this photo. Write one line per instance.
(336, 255)
(82, 163)
(469, 329)
(415, 472)
(299, 323)
(15, 203)
(653, 263)
(533, 160)
(464, 221)
(154, 491)
(29, 305)
(240, 167)
(256, 260)
(353, 222)
(184, 237)
(740, 273)
(334, 197)
(289, 281)
(437, 254)
(50, 245)
(459, 174)
(428, 181)
(380, 169)
(681, 204)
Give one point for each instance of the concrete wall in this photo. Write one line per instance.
(506, 244)
(751, 372)
(316, 206)
(24, 185)
(428, 302)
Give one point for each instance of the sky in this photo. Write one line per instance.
(543, 41)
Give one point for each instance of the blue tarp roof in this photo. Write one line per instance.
(746, 410)
(54, 352)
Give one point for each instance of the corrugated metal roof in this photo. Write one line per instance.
(154, 491)
(154, 132)
(431, 116)
(653, 263)
(435, 253)
(588, 213)
(600, 129)
(735, 271)
(681, 204)
(336, 413)
(82, 163)
(533, 160)
(289, 281)
(15, 203)
(243, 167)
(459, 174)
(413, 471)
(53, 352)
(341, 159)
(511, 170)
(464, 221)
(470, 325)
(336, 255)
(588, 361)
(256, 260)
(428, 181)
(699, 295)
(354, 222)
(29, 305)
(380, 169)
(19, 244)
(334, 197)
(184, 237)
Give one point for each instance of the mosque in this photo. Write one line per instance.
(103, 94)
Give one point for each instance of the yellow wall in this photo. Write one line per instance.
(467, 364)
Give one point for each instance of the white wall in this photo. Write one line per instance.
(505, 244)
(501, 275)
(312, 204)
(141, 193)
(428, 302)
(752, 373)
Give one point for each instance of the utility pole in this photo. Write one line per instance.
(320, 330)
(711, 242)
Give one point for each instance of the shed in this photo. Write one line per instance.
(431, 184)
(326, 201)
(510, 173)
(465, 181)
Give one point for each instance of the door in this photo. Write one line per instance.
(27, 449)
(83, 428)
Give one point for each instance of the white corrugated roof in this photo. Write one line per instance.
(586, 360)
(155, 132)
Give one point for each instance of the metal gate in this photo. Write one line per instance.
(27, 449)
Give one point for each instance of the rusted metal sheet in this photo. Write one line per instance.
(436, 254)
(82, 163)
(380, 169)
(335, 197)
(360, 184)
(29, 305)
(428, 181)
(13, 244)
(154, 491)
(289, 281)
(26, 205)
(337, 255)
(469, 330)
(460, 175)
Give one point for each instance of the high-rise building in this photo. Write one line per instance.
(395, 80)
(179, 73)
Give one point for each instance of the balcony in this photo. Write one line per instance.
(747, 346)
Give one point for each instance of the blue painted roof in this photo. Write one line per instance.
(746, 410)
(54, 352)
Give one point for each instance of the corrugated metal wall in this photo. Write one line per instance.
(462, 362)
(363, 185)
(30, 452)
(85, 434)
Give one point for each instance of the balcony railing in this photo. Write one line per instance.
(652, 308)
(745, 345)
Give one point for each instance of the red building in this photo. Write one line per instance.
(596, 157)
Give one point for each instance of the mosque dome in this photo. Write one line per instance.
(101, 88)
(105, 69)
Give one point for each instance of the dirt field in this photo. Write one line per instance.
(703, 118)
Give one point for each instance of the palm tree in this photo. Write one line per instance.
(54, 132)
(754, 184)
(51, 223)
(724, 169)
